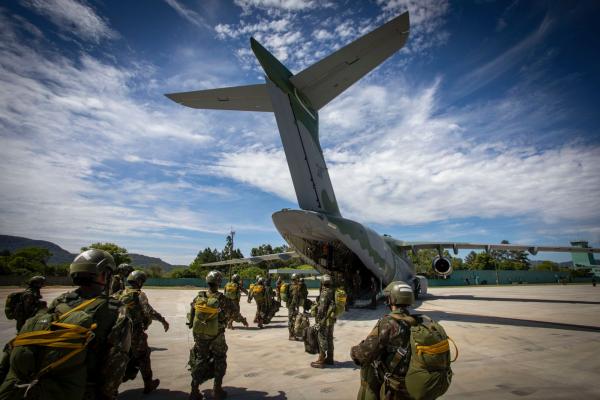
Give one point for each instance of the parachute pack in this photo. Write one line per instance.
(429, 374)
(55, 344)
(258, 292)
(206, 312)
(231, 290)
(14, 306)
(340, 301)
(311, 342)
(283, 291)
(131, 300)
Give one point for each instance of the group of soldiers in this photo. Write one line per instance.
(105, 321)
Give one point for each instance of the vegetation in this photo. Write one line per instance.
(30, 261)
(119, 253)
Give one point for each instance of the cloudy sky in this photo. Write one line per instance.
(484, 127)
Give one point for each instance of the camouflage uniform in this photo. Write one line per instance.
(325, 319)
(237, 316)
(31, 303)
(296, 295)
(208, 357)
(106, 359)
(141, 315)
(117, 284)
(386, 350)
(278, 288)
(261, 305)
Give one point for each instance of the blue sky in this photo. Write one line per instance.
(484, 127)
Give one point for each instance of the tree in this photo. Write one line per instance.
(229, 252)
(119, 253)
(26, 261)
(547, 266)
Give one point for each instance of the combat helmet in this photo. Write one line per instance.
(125, 268)
(137, 278)
(399, 293)
(294, 277)
(326, 279)
(235, 278)
(214, 278)
(92, 262)
(261, 281)
(36, 281)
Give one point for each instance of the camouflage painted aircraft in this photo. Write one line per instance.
(318, 233)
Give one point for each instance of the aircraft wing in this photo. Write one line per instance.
(455, 246)
(269, 257)
(243, 98)
(323, 81)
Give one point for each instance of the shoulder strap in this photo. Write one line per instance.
(78, 308)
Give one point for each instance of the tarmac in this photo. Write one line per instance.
(521, 342)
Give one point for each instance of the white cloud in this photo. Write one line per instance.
(188, 14)
(394, 159)
(288, 5)
(72, 15)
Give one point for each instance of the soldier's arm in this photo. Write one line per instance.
(370, 349)
(116, 358)
(250, 295)
(191, 314)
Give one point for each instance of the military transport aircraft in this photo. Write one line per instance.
(318, 233)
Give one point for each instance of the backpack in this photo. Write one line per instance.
(56, 344)
(311, 341)
(14, 306)
(283, 291)
(300, 325)
(231, 291)
(429, 373)
(206, 312)
(131, 299)
(340, 302)
(258, 292)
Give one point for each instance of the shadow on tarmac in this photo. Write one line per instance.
(509, 299)
(232, 393)
(483, 319)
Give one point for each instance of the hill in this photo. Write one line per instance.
(62, 256)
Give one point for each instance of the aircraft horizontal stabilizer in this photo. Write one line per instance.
(242, 98)
(269, 257)
(416, 246)
(326, 79)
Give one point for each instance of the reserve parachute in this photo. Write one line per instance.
(206, 312)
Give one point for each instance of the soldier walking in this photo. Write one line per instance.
(296, 295)
(258, 292)
(23, 305)
(324, 323)
(233, 291)
(118, 280)
(141, 314)
(384, 355)
(209, 313)
(46, 368)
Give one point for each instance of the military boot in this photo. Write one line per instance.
(230, 324)
(320, 363)
(151, 385)
(245, 322)
(218, 392)
(196, 395)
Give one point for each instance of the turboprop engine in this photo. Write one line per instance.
(442, 266)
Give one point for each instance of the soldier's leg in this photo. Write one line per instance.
(292, 314)
(322, 340)
(329, 358)
(218, 348)
(199, 365)
(142, 356)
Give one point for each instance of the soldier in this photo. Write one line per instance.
(385, 353)
(259, 294)
(91, 319)
(296, 295)
(233, 291)
(118, 280)
(141, 314)
(324, 323)
(208, 317)
(278, 288)
(23, 305)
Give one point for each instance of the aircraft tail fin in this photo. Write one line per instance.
(323, 81)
